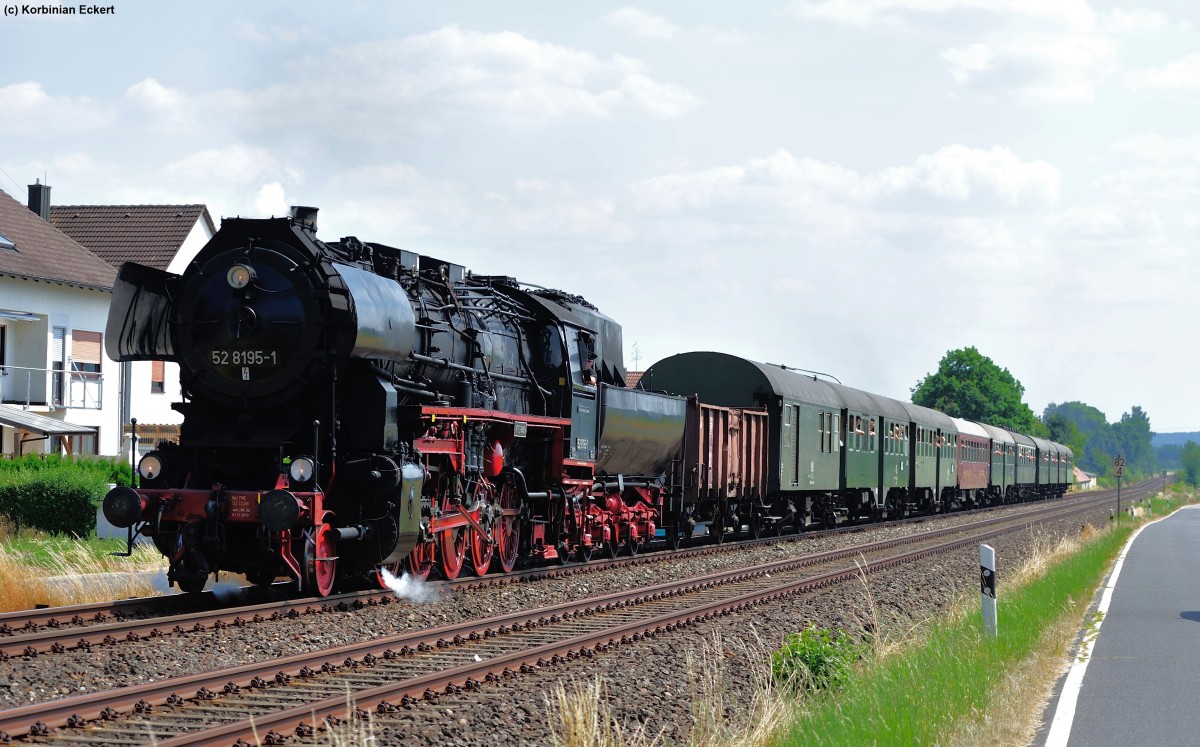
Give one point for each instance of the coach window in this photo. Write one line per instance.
(837, 428)
(873, 441)
(821, 432)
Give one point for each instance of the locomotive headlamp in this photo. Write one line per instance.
(301, 469)
(151, 466)
(239, 276)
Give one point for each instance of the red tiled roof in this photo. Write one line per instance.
(632, 378)
(147, 234)
(45, 253)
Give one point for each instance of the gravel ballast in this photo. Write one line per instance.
(647, 684)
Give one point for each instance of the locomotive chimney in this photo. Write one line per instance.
(39, 200)
(305, 216)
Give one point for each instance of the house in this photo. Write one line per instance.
(57, 390)
(1083, 480)
(165, 237)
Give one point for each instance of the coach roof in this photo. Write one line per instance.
(730, 381)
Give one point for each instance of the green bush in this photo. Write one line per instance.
(109, 468)
(60, 499)
(815, 659)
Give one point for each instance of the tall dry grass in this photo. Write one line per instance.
(71, 573)
(580, 714)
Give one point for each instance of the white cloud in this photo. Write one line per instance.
(420, 82)
(651, 26)
(250, 32)
(1166, 184)
(1160, 148)
(28, 109)
(1061, 68)
(1121, 21)
(239, 164)
(718, 35)
(1070, 13)
(1050, 50)
(286, 34)
(643, 23)
(1087, 223)
(168, 107)
(1183, 74)
(504, 77)
(952, 173)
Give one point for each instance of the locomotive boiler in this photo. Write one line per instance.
(350, 406)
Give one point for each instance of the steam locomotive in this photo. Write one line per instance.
(351, 407)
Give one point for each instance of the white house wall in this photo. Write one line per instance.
(153, 408)
(29, 345)
(195, 240)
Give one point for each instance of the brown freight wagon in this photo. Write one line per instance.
(725, 468)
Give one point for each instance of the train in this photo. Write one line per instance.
(352, 410)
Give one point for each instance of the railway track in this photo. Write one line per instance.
(292, 695)
(57, 630)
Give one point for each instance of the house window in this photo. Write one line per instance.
(85, 351)
(3, 347)
(85, 369)
(58, 360)
(156, 377)
(85, 444)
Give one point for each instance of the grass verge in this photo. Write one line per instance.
(955, 684)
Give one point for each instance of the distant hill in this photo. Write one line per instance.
(1173, 439)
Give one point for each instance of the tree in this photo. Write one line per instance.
(1130, 437)
(1085, 417)
(1191, 462)
(1064, 431)
(1133, 436)
(969, 385)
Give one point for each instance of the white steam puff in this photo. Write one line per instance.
(407, 587)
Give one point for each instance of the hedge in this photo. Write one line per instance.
(57, 495)
(111, 469)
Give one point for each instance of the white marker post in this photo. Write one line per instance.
(987, 587)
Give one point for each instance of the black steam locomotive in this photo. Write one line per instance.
(349, 406)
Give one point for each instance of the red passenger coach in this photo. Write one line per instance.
(974, 462)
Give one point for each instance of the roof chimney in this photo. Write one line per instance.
(39, 199)
(305, 216)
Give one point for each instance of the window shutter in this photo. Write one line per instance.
(56, 345)
(85, 346)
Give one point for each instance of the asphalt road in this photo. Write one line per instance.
(1142, 681)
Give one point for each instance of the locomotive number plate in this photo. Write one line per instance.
(245, 357)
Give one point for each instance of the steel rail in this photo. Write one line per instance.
(54, 638)
(27, 632)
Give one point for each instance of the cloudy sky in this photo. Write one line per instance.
(851, 186)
